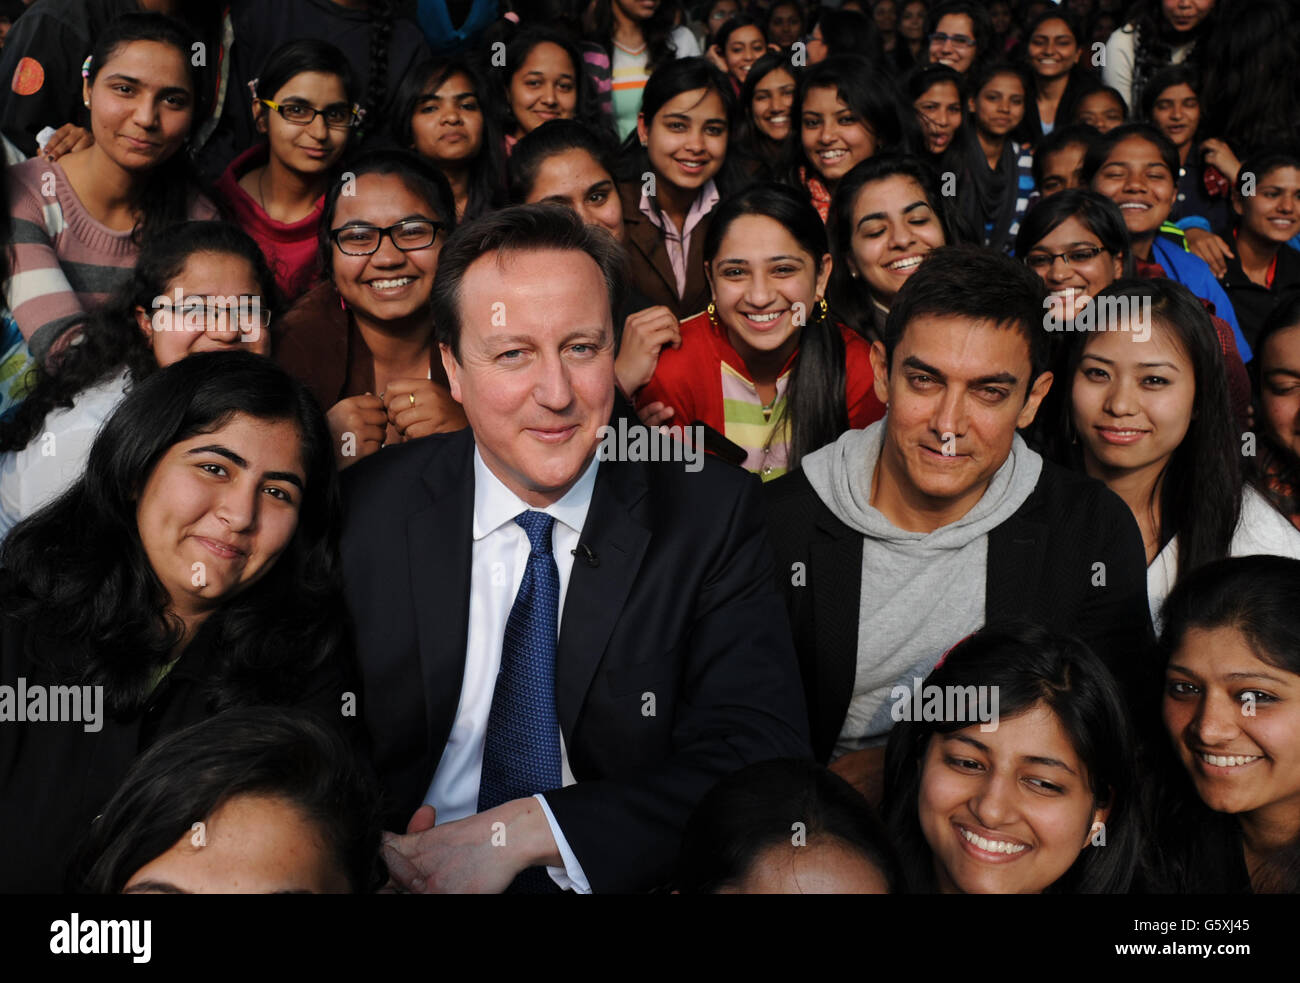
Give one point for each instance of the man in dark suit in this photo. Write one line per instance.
(562, 650)
(897, 541)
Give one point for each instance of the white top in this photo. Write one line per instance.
(1117, 70)
(1261, 529)
(500, 554)
(55, 458)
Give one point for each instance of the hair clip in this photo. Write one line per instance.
(85, 67)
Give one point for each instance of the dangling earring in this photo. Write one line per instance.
(343, 304)
(825, 308)
(712, 311)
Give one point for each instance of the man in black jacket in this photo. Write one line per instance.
(562, 650)
(897, 541)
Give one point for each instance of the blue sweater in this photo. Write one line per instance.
(1192, 272)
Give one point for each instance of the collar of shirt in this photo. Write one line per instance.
(495, 504)
(701, 206)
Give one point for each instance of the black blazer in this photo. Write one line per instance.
(1040, 569)
(681, 606)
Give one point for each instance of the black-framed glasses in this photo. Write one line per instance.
(1073, 257)
(362, 240)
(961, 40)
(301, 114)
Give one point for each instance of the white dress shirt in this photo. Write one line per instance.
(500, 554)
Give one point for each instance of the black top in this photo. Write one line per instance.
(1254, 303)
(56, 777)
(1042, 567)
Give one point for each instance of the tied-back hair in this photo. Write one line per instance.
(851, 297)
(980, 20)
(1076, 78)
(255, 751)
(520, 46)
(920, 80)
(419, 176)
(1102, 146)
(749, 140)
(750, 812)
(1255, 596)
(305, 55)
(112, 339)
(1167, 78)
(552, 138)
(1080, 90)
(816, 406)
(486, 169)
(1028, 667)
(1099, 215)
(1200, 489)
(172, 187)
(78, 574)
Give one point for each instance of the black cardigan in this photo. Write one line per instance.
(1040, 569)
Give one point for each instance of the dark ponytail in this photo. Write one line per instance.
(381, 32)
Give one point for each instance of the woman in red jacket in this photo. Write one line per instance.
(767, 365)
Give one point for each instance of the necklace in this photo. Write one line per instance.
(631, 51)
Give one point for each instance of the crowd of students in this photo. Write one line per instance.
(998, 299)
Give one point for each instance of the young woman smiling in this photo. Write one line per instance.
(1275, 469)
(736, 46)
(997, 174)
(887, 216)
(1264, 268)
(441, 115)
(765, 137)
(1024, 807)
(847, 112)
(938, 94)
(211, 264)
(684, 130)
(1053, 47)
(1149, 411)
(1170, 102)
(767, 365)
(1134, 166)
(303, 103)
(192, 568)
(544, 82)
(363, 340)
(1227, 818)
(89, 211)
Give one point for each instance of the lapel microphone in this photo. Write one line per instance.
(588, 556)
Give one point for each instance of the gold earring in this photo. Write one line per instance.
(712, 311)
(825, 307)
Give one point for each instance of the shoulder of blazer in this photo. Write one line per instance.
(438, 464)
(795, 510)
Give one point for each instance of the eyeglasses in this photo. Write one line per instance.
(362, 240)
(961, 40)
(1073, 257)
(300, 114)
(214, 317)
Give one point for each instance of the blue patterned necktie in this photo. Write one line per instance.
(521, 754)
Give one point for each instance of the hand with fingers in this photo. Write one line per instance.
(358, 425)
(420, 407)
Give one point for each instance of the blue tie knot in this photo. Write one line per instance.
(538, 527)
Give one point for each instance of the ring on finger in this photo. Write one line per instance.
(412, 396)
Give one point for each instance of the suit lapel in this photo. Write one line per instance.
(615, 531)
(837, 603)
(441, 549)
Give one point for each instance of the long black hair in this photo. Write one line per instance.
(517, 51)
(171, 188)
(1275, 469)
(851, 297)
(750, 812)
(1191, 844)
(1076, 75)
(112, 339)
(78, 574)
(486, 170)
(847, 32)
(749, 140)
(1200, 489)
(917, 83)
(1028, 666)
(598, 24)
(382, 13)
(1154, 40)
(816, 407)
(261, 751)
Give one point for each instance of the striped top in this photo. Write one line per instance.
(65, 262)
(629, 76)
(762, 431)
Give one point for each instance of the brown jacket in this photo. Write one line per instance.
(649, 270)
(317, 342)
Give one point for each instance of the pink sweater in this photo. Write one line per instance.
(65, 263)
